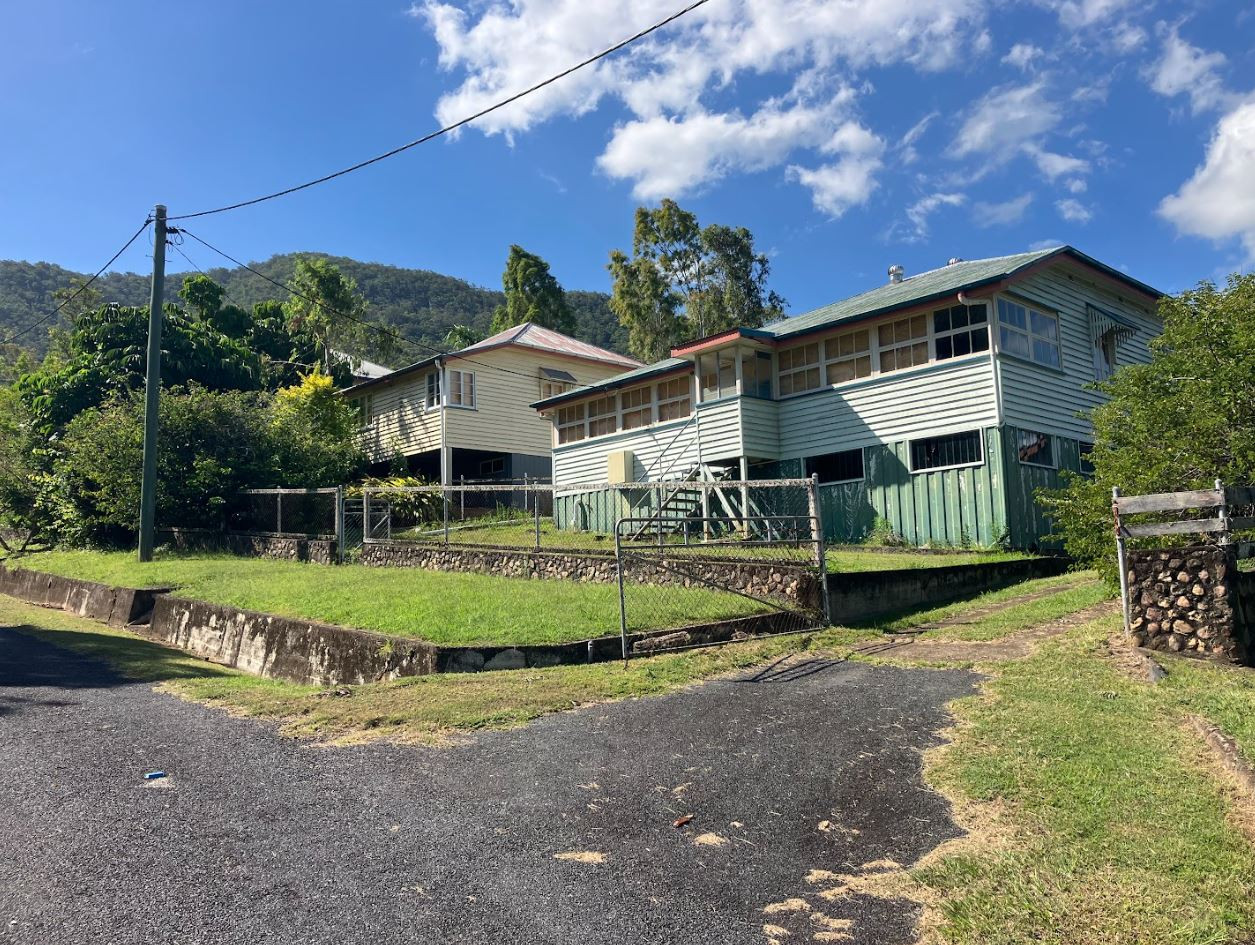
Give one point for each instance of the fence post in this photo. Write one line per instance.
(815, 511)
(618, 567)
(444, 491)
(340, 524)
(1121, 558)
(279, 512)
(536, 503)
(365, 515)
(461, 504)
(1225, 536)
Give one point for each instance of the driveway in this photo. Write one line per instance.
(560, 832)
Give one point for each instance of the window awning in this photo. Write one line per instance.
(1102, 322)
(554, 374)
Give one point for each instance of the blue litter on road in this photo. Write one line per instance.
(154, 775)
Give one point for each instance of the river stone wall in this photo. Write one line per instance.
(1186, 600)
(782, 580)
(275, 547)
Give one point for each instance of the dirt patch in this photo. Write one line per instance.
(1230, 767)
(581, 856)
(1016, 646)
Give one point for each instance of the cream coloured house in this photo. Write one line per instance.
(466, 415)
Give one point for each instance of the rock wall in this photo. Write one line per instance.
(762, 579)
(276, 547)
(1186, 600)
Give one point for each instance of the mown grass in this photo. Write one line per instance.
(1092, 817)
(445, 608)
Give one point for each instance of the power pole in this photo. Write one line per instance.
(152, 389)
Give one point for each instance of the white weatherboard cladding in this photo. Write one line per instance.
(946, 397)
(720, 429)
(1048, 401)
(760, 428)
(586, 461)
(400, 422)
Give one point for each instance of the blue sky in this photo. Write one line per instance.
(846, 135)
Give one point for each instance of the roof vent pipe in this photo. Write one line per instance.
(896, 272)
(954, 259)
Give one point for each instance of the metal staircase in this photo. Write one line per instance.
(681, 507)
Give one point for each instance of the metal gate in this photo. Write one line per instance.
(716, 579)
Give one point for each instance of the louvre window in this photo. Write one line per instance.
(903, 343)
(848, 356)
(1035, 449)
(845, 466)
(960, 330)
(799, 369)
(941, 452)
(1027, 333)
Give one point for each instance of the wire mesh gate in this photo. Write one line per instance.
(710, 579)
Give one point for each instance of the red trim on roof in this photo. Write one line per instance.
(701, 344)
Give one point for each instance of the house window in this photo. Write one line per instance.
(903, 343)
(1027, 333)
(849, 356)
(554, 382)
(675, 399)
(799, 369)
(1086, 459)
(638, 407)
(718, 374)
(462, 389)
(845, 466)
(571, 423)
(960, 330)
(431, 399)
(1107, 332)
(601, 416)
(1105, 346)
(365, 409)
(1035, 449)
(943, 452)
(756, 375)
(492, 467)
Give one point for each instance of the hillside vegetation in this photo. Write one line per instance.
(421, 305)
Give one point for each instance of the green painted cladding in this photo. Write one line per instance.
(1028, 526)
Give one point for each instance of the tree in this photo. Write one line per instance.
(25, 509)
(1179, 422)
(684, 281)
(532, 294)
(462, 336)
(326, 306)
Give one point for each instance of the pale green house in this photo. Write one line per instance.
(938, 402)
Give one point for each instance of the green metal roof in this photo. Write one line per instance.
(618, 380)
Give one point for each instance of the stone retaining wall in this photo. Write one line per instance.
(762, 579)
(276, 547)
(116, 606)
(1188, 600)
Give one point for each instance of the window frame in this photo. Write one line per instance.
(550, 388)
(862, 463)
(609, 404)
(686, 381)
(980, 451)
(858, 354)
(460, 386)
(817, 366)
(1029, 333)
(969, 330)
(914, 341)
(579, 423)
(1050, 446)
(432, 391)
(645, 408)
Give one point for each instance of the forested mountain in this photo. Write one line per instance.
(419, 304)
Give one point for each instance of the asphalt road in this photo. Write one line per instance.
(560, 832)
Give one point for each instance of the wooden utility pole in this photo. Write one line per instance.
(152, 389)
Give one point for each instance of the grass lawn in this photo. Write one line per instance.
(445, 608)
(1093, 817)
(848, 560)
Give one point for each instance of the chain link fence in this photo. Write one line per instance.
(286, 513)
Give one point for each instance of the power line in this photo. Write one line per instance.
(80, 290)
(381, 329)
(457, 124)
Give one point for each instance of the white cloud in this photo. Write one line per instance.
(849, 181)
(1076, 186)
(1007, 119)
(1056, 165)
(1045, 244)
(1074, 211)
(907, 153)
(1127, 37)
(1001, 214)
(1023, 55)
(1218, 202)
(1078, 14)
(1185, 69)
(674, 134)
(919, 212)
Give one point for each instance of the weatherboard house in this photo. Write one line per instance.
(937, 402)
(466, 415)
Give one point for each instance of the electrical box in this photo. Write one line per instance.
(620, 466)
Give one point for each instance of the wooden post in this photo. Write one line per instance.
(1225, 534)
(817, 526)
(1121, 559)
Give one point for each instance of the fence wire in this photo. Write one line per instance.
(768, 580)
(287, 513)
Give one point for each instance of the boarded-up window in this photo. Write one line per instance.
(848, 356)
(844, 466)
(571, 423)
(960, 330)
(675, 399)
(943, 452)
(799, 369)
(638, 407)
(903, 343)
(1035, 449)
(602, 418)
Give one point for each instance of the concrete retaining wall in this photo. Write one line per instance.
(116, 606)
(857, 596)
(277, 547)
